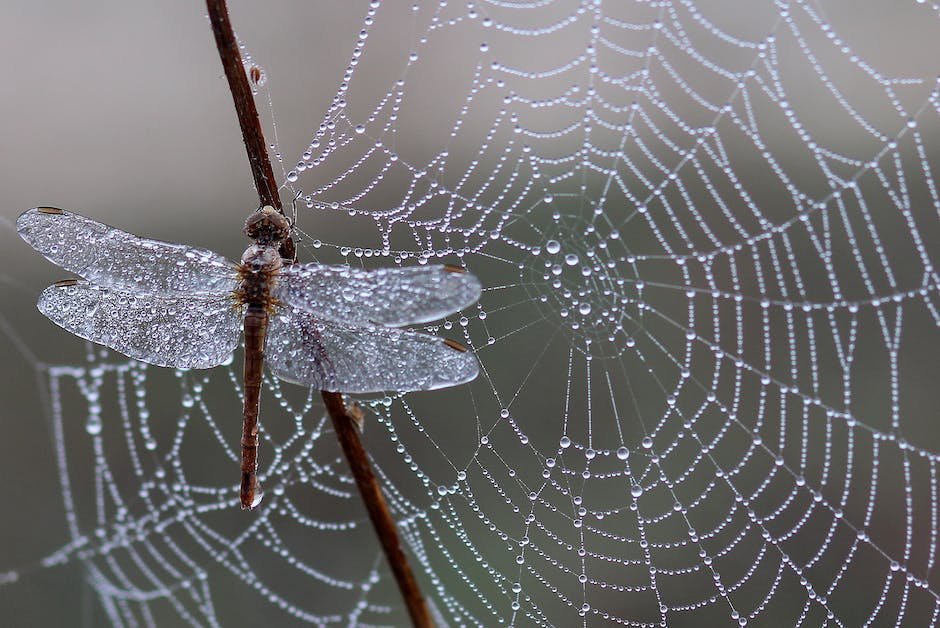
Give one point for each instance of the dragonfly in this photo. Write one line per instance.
(330, 327)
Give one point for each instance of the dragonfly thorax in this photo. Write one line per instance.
(258, 258)
(260, 265)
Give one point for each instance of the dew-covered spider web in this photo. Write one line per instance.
(708, 335)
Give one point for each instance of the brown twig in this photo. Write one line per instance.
(252, 133)
(344, 422)
(345, 427)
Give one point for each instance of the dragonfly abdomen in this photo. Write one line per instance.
(256, 324)
(257, 271)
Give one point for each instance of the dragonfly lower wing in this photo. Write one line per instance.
(329, 356)
(180, 332)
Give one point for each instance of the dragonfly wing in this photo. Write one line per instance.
(175, 331)
(329, 356)
(120, 260)
(386, 296)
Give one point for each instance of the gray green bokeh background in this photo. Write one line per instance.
(120, 111)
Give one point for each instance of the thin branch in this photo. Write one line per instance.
(248, 119)
(344, 421)
(346, 430)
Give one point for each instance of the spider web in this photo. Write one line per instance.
(706, 232)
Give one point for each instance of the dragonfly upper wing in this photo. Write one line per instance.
(198, 331)
(386, 296)
(329, 356)
(117, 259)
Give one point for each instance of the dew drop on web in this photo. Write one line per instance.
(93, 425)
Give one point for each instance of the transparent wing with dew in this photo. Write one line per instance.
(339, 358)
(196, 331)
(120, 260)
(385, 296)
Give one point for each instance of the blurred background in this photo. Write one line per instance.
(120, 111)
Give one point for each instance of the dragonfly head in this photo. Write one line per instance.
(267, 226)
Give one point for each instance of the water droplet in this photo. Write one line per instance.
(552, 246)
(571, 259)
(623, 453)
(93, 425)
(637, 490)
(585, 308)
(360, 128)
(565, 442)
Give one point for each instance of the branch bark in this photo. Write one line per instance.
(346, 431)
(344, 422)
(248, 120)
